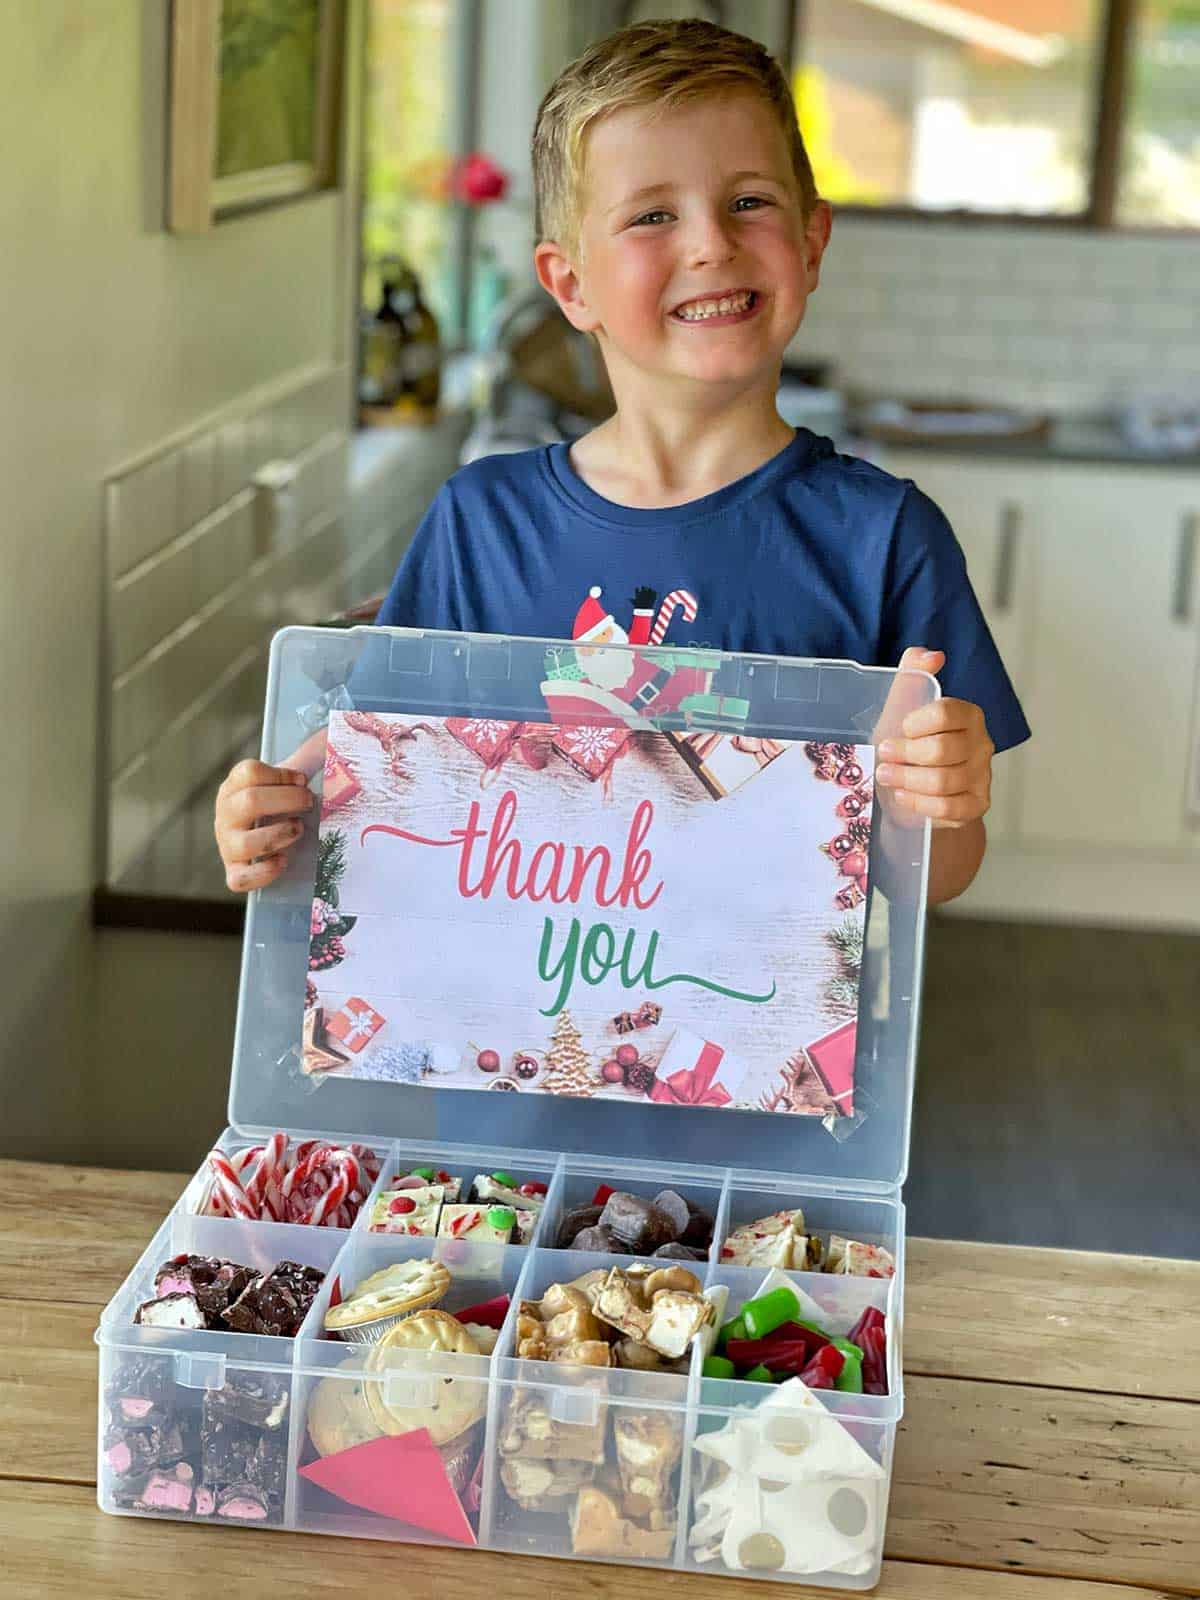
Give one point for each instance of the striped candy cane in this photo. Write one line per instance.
(229, 1187)
(676, 600)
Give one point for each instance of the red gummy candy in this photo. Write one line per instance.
(600, 1198)
(779, 1350)
(869, 1333)
(824, 1368)
(779, 1358)
(872, 1317)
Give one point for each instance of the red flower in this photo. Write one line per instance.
(477, 179)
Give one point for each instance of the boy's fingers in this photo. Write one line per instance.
(917, 659)
(255, 774)
(255, 875)
(962, 779)
(246, 844)
(941, 716)
(948, 810)
(245, 807)
(934, 750)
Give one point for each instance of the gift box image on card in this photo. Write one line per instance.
(556, 910)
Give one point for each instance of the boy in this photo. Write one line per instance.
(678, 222)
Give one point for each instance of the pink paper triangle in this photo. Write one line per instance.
(400, 1476)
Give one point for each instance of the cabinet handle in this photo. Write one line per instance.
(1006, 555)
(1185, 567)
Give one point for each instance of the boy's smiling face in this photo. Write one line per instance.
(682, 210)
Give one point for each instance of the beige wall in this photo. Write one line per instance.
(115, 335)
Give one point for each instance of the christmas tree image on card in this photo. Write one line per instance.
(600, 912)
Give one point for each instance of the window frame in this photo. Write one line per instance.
(1111, 93)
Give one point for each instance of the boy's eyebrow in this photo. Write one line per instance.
(666, 184)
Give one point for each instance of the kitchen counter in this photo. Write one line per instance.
(1050, 1449)
(1076, 439)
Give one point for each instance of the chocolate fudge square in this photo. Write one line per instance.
(277, 1303)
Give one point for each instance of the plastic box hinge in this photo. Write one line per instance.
(577, 1407)
(196, 1370)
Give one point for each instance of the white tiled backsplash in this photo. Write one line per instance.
(202, 567)
(196, 581)
(1055, 317)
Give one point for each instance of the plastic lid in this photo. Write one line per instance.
(790, 908)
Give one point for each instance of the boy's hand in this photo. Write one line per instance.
(259, 817)
(942, 767)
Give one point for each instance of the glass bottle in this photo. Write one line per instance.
(382, 377)
(423, 350)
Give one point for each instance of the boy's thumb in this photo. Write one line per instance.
(917, 659)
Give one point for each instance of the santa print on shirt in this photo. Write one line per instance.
(626, 683)
(595, 626)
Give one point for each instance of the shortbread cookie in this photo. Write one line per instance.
(456, 1403)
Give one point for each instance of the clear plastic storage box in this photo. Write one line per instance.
(641, 1458)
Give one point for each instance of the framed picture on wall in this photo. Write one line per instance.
(255, 105)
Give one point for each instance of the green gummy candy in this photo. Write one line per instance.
(422, 1172)
(506, 1179)
(732, 1330)
(502, 1217)
(850, 1378)
(718, 1367)
(847, 1349)
(758, 1374)
(769, 1311)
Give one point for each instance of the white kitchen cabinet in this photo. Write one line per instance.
(998, 511)
(1113, 687)
(1089, 576)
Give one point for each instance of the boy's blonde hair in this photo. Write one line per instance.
(661, 64)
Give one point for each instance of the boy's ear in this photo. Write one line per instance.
(816, 238)
(557, 275)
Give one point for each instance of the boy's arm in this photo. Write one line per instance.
(942, 769)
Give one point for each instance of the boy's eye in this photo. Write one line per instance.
(754, 199)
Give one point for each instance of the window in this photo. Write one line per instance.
(407, 131)
(1075, 109)
(1160, 144)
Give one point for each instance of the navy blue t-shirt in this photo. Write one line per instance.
(813, 554)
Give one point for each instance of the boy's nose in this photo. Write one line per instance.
(710, 239)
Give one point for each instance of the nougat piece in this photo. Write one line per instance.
(537, 1485)
(531, 1333)
(530, 1431)
(599, 1529)
(654, 1308)
(648, 1446)
(676, 1317)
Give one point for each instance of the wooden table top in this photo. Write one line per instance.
(1050, 1448)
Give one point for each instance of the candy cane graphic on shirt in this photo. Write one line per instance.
(678, 599)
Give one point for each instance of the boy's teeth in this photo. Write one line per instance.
(700, 309)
